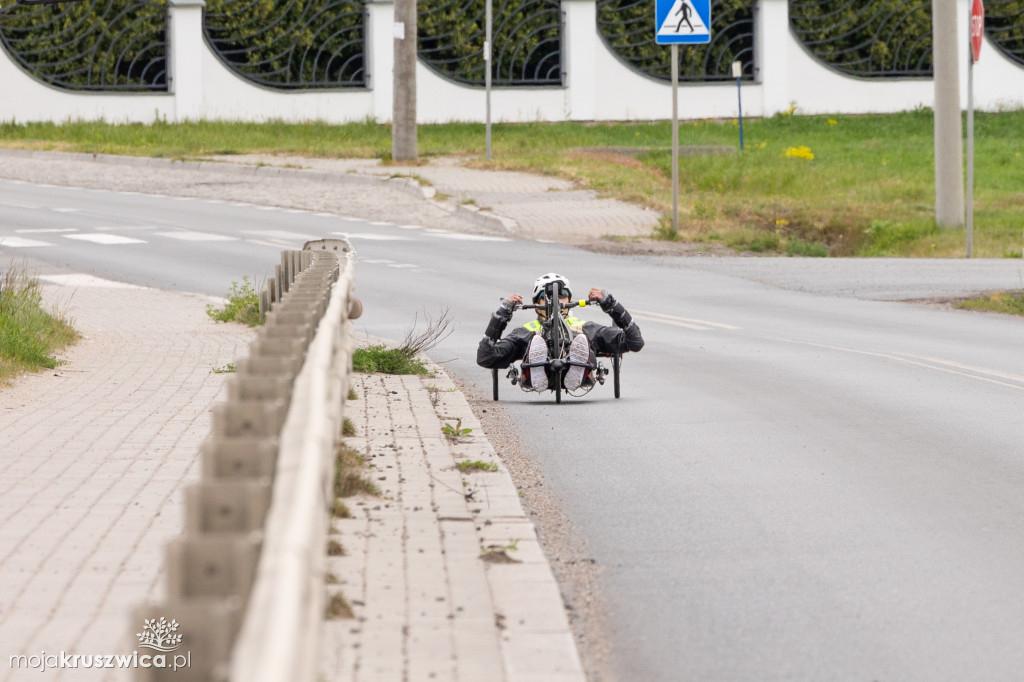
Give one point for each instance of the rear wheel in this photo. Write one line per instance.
(494, 380)
(558, 393)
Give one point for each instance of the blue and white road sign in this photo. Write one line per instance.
(682, 22)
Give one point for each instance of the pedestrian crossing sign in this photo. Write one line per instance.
(684, 22)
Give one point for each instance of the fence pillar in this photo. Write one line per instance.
(772, 41)
(580, 53)
(380, 55)
(186, 47)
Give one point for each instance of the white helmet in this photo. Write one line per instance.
(544, 281)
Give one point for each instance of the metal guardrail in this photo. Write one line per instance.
(245, 583)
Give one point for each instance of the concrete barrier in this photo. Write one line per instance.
(246, 581)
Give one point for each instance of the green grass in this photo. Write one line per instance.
(867, 191)
(380, 358)
(1010, 302)
(29, 334)
(477, 465)
(243, 305)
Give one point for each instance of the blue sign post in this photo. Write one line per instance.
(680, 22)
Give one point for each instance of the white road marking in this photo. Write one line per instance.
(411, 227)
(685, 325)
(67, 210)
(46, 230)
(104, 238)
(371, 236)
(273, 245)
(21, 243)
(381, 222)
(468, 237)
(15, 204)
(187, 236)
(662, 317)
(376, 261)
(402, 265)
(280, 234)
(81, 280)
(124, 228)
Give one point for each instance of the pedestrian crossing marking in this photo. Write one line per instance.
(104, 238)
(188, 236)
(21, 243)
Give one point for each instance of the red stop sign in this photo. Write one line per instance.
(977, 27)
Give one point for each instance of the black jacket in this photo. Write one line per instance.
(497, 352)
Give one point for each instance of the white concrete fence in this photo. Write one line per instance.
(597, 84)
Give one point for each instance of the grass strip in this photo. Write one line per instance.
(29, 334)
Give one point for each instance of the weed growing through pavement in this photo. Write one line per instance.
(334, 548)
(454, 433)
(348, 427)
(29, 335)
(348, 480)
(243, 305)
(226, 369)
(352, 395)
(338, 607)
(476, 465)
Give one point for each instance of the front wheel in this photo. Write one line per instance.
(558, 393)
(616, 363)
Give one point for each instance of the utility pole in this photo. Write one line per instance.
(403, 115)
(949, 174)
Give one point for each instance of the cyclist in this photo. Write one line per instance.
(523, 343)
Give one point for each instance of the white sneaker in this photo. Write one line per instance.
(538, 352)
(579, 351)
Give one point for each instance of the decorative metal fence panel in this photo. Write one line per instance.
(110, 45)
(527, 37)
(296, 45)
(866, 37)
(1004, 25)
(627, 28)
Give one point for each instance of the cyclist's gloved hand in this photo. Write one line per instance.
(507, 306)
(607, 301)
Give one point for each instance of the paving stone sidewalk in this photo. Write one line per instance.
(93, 459)
(443, 570)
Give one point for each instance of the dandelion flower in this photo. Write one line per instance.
(800, 152)
(832, 121)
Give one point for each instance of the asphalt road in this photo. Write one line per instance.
(794, 485)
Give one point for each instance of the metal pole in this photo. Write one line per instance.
(675, 140)
(487, 75)
(970, 148)
(739, 99)
(949, 134)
